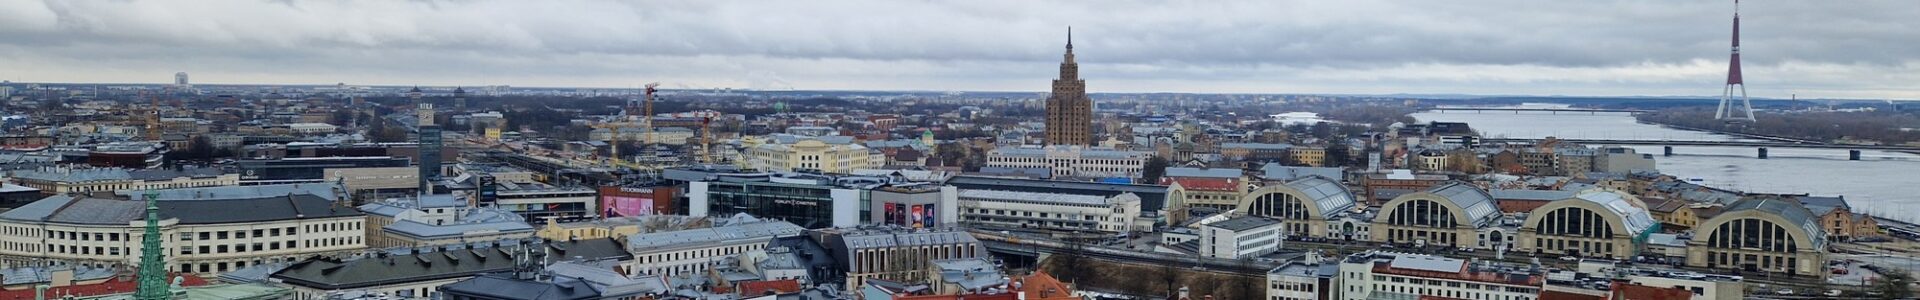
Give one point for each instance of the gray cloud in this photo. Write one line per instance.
(1861, 49)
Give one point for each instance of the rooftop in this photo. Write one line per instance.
(1244, 223)
(417, 265)
(69, 210)
(1152, 197)
(694, 237)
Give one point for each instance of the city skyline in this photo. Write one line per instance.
(1487, 47)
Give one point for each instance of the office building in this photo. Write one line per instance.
(307, 170)
(1052, 211)
(1069, 110)
(817, 201)
(1240, 238)
(1153, 198)
(1071, 161)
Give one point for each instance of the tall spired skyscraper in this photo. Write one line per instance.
(1069, 110)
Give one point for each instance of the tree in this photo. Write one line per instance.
(1156, 167)
(1170, 272)
(1068, 262)
(1894, 284)
(1243, 286)
(1338, 155)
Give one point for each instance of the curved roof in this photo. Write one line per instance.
(1474, 202)
(1328, 194)
(1633, 214)
(1786, 209)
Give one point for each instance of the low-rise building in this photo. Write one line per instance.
(433, 220)
(895, 254)
(418, 273)
(1240, 238)
(202, 235)
(696, 251)
(1216, 188)
(789, 152)
(1153, 198)
(1304, 280)
(1380, 275)
(86, 180)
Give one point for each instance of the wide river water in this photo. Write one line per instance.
(1885, 184)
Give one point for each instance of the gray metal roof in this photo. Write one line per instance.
(27, 275)
(1633, 215)
(1229, 173)
(434, 263)
(66, 209)
(1152, 197)
(429, 231)
(1793, 211)
(329, 191)
(1478, 206)
(1331, 196)
(1540, 195)
(1428, 263)
(694, 237)
(1244, 223)
(1256, 146)
(1285, 173)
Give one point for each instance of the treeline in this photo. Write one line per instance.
(1881, 126)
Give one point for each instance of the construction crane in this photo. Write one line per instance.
(627, 120)
(705, 136)
(647, 120)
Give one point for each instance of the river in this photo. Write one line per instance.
(1885, 184)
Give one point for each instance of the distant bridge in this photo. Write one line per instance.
(1853, 151)
(1517, 110)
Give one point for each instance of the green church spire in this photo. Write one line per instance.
(153, 264)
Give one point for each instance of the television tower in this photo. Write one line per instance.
(1729, 111)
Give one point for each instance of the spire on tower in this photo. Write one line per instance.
(1069, 38)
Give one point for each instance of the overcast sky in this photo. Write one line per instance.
(1838, 49)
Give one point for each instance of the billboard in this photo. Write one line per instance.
(910, 215)
(617, 206)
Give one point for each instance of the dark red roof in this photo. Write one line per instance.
(773, 287)
(113, 285)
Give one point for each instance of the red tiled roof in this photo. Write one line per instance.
(113, 285)
(1559, 295)
(1624, 291)
(774, 287)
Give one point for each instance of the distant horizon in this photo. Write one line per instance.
(1427, 96)
(1608, 48)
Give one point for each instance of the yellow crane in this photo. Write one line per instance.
(627, 120)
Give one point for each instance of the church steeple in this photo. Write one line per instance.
(152, 276)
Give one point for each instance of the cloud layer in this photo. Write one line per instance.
(1849, 49)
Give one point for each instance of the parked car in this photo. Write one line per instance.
(1569, 258)
(1784, 291)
